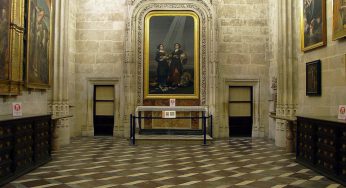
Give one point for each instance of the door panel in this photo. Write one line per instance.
(240, 94)
(104, 109)
(104, 93)
(240, 109)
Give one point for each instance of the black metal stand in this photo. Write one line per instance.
(204, 118)
(211, 126)
(204, 123)
(134, 130)
(131, 136)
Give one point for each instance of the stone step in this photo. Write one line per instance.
(170, 132)
(171, 139)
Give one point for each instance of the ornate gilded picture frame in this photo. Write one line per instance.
(313, 24)
(313, 78)
(339, 19)
(11, 46)
(171, 55)
(39, 43)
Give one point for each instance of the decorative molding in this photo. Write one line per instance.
(143, 8)
(59, 109)
(206, 3)
(258, 127)
(132, 83)
(88, 128)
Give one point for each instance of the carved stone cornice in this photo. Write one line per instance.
(59, 109)
(286, 99)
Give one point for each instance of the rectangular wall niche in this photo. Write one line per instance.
(257, 128)
(88, 128)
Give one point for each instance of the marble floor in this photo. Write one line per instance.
(107, 162)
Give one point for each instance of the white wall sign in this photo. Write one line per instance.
(17, 109)
(171, 102)
(169, 114)
(342, 112)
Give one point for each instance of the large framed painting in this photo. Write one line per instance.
(339, 19)
(313, 24)
(5, 20)
(171, 55)
(39, 44)
(11, 46)
(313, 78)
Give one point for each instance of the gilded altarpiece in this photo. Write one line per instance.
(150, 93)
(171, 65)
(11, 46)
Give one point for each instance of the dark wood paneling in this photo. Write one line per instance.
(25, 143)
(321, 145)
(240, 126)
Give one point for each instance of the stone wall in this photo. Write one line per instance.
(249, 42)
(243, 42)
(99, 49)
(333, 71)
(34, 102)
(96, 30)
(245, 52)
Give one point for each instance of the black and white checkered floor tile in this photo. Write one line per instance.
(108, 162)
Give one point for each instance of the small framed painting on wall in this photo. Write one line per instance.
(313, 78)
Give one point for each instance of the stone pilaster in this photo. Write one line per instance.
(286, 104)
(60, 101)
(61, 134)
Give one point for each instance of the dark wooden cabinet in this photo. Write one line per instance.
(321, 145)
(25, 144)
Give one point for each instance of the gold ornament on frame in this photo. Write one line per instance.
(11, 46)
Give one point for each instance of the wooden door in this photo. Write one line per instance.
(240, 111)
(103, 110)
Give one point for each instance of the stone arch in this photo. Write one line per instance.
(134, 45)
